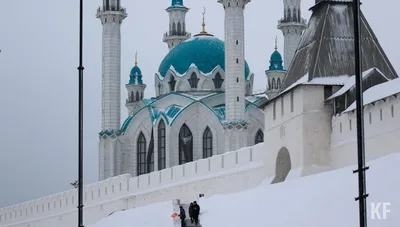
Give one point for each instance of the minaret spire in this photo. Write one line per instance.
(136, 58)
(204, 23)
(276, 43)
(177, 26)
(292, 26)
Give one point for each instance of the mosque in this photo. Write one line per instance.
(198, 110)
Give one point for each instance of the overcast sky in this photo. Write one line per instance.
(39, 79)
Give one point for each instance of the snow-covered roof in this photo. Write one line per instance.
(352, 81)
(378, 92)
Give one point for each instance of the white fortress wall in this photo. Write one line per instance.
(225, 173)
(382, 132)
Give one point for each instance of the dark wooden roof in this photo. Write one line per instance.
(327, 45)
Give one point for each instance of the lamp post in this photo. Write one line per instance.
(80, 110)
(362, 196)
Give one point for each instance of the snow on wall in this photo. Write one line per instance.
(382, 130)
(229, 172)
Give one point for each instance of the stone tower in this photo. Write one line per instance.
(292, 26)
(135, 88)
(234, 124)
(111, 15)
(177, 26)
(275, 73)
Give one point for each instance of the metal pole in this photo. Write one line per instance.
(362, 197)
(80, 69)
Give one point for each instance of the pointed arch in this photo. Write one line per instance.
(173, 28)
(172, 83)
(137, 96)
(179, 29)
(161, 145)
(207, 143)
(278, 83)
(141, 155)
(259, 137)
(193, 81)
(150, 155)
(273, 83)
(218, 81)
(132, 97)
(185, 145)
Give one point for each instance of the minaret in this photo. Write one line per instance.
(234, 125)
(275, 73)
(177, 26)
(111, 15)
(292, 26)
(135, 87)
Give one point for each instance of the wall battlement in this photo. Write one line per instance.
(381, 127)
(124, 191)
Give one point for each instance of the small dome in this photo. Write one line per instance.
(136, 71)
(204, 51)
(276, 62)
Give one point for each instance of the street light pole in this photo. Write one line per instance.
(362, 196)
(80, 110)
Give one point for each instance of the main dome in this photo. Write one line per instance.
(206, 52)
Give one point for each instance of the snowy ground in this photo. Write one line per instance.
(320, 200)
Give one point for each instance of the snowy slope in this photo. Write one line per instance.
(320, 200)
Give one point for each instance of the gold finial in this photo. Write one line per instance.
(203, 24)
(276, 43)
(136, 58)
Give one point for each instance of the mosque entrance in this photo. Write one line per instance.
(283, 165)
(185, 145)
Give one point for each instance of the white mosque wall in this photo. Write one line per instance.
(229, 172)
(381, 127)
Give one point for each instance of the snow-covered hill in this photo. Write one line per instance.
(320, 200)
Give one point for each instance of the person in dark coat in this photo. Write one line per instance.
(196, 212)
(191, 212)
(182, 216)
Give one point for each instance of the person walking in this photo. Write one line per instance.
(196, 212)
(182, 216)
(191, 213)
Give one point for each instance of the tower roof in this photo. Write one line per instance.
(276, 62)
(136, 74)
(327, 45)
(177, 4)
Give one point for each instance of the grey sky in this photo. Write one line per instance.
(38, 76)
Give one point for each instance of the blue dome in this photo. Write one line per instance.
(276, 62)
(136, 71)
(206, 52)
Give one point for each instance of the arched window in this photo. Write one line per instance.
(141, 155)
(150, 155)
(137, 96)
(273, 83)
(132, 98)
(193, 80)
(141, 95)
(185, 145)
(259, 137)
(173, 28)
(278, 83)
(218, 81)
(179, 28)
(161, 145)
(172, 83)
(207, 143)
